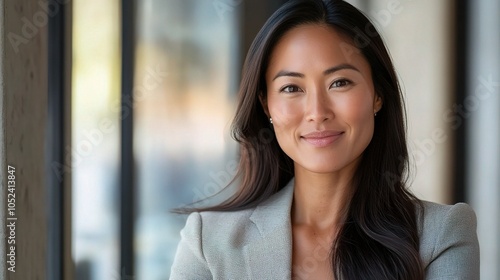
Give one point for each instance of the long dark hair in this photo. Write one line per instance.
(379, 239)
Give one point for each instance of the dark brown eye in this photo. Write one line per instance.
(290, 89)
(340, 83)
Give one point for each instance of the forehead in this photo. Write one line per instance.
(317, 46)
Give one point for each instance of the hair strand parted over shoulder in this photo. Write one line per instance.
(379, 239)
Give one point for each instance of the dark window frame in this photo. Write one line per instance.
(55, 142)
(127, 177)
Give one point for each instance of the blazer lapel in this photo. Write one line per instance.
(269, 255)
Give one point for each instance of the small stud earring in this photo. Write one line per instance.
(375, 114)
(271, 120)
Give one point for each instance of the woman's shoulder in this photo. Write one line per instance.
(433, 209)
(210, 240)
(270, 210)
(216, 222)
(448, 236)
(241, 225)
(435, 217)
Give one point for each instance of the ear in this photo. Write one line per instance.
(377, 103)
(263, 102)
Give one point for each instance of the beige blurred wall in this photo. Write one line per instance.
(419, 35)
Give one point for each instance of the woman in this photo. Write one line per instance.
(327, 198)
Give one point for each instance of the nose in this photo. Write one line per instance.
(319, 106)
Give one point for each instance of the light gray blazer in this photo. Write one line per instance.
(256, 243)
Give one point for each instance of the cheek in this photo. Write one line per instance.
(359, 117)
(287, 117)
(357, 108)
(284, 112)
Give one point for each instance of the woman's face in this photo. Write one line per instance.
(321, 98)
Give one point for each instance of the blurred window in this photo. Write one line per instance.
(186, 65)
(95, 138)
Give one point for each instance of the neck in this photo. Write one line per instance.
(321, 200)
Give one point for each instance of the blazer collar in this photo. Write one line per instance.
(269, 256)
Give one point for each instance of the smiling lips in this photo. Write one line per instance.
(322, 138)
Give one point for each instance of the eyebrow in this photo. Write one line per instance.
(328, 71)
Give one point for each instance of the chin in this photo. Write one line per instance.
(322, 168)
(326, 164)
